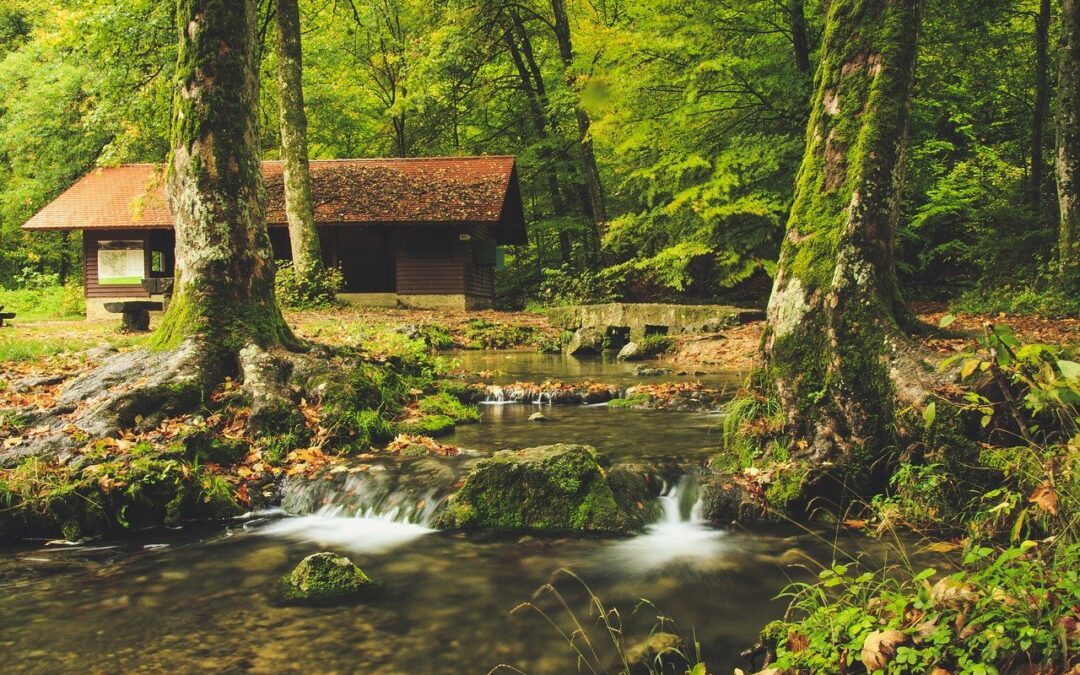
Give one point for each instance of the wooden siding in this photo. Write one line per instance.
(421, 272)
(479, 280)
(92, 287)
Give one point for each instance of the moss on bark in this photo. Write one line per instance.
(837, 361)
(299, 208)
(224, 292)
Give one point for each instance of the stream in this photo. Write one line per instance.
(202, 598)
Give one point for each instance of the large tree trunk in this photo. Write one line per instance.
(835, 353)
(299, 209)
(1041, 104)
(224, 292)
(594, 187)
(1068, 146)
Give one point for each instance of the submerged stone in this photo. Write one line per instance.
(558, 487)
(322, 578)
(659, 648)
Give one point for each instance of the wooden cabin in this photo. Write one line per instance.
(418, 233)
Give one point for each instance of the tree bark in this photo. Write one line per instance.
(299, 208)
(835, 353)
(224, 292)
(799, 38)
(1041, 103)
(1068, 147)
(594, 186)
(532, 81)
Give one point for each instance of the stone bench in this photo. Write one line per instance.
(136, 313)
(4, 316)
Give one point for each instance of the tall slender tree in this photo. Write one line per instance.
(1068, 146)
(594, 186)
(800, 39)
(835, 319)
(299, 209)
(1042, 102)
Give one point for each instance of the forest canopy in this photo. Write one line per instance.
(693, 115)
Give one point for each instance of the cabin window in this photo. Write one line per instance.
(120, 262)
(157, 261)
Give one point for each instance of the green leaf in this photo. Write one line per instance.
(947, 321)
(1070, 370)
(929, 414)
(968, 368)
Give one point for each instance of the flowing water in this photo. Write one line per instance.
(202, 598)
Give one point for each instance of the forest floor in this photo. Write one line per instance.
(41, 345)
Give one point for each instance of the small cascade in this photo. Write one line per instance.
(370, 511)
(681, 536)
(546, 393)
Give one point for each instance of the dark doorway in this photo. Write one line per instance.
(365, 259)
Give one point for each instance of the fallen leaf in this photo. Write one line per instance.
(879, 648)
(1045, 498)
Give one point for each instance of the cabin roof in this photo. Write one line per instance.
(415, 191)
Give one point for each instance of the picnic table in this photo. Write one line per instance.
(136, 313)
(5, 315)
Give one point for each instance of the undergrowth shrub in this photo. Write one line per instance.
(314, 290)
(1002, 610)
(45, 302)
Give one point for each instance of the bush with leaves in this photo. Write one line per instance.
(316, 289)
(1000, 611)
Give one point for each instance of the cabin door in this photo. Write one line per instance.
(366, 260)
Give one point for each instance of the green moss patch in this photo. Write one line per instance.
(549, 488)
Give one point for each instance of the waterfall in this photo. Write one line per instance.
(371, 511)
(682, 535)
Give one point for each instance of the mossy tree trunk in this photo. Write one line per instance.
(224, 291)
(836, 355)
(1068, 146)
(299, 208)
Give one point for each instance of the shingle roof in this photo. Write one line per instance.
(401, 191)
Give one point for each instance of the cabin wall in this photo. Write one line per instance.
(97, 294)
(429, 262)
(425, 267)
(479, 279)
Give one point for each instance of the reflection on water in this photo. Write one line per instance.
(622, 435)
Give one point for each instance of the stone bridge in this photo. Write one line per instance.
(623, 322)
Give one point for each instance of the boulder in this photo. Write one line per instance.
(629, 352)
(323, 578)
(585, 341)
(553, 488)
(538, 417)
(724, 501)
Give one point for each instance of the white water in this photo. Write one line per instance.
(366, 516)
(681, 537)
(364, 533)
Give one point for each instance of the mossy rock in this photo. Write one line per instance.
(207, 446)
(552, 488)
(636, 489)
(323, 578)
(428, 425)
